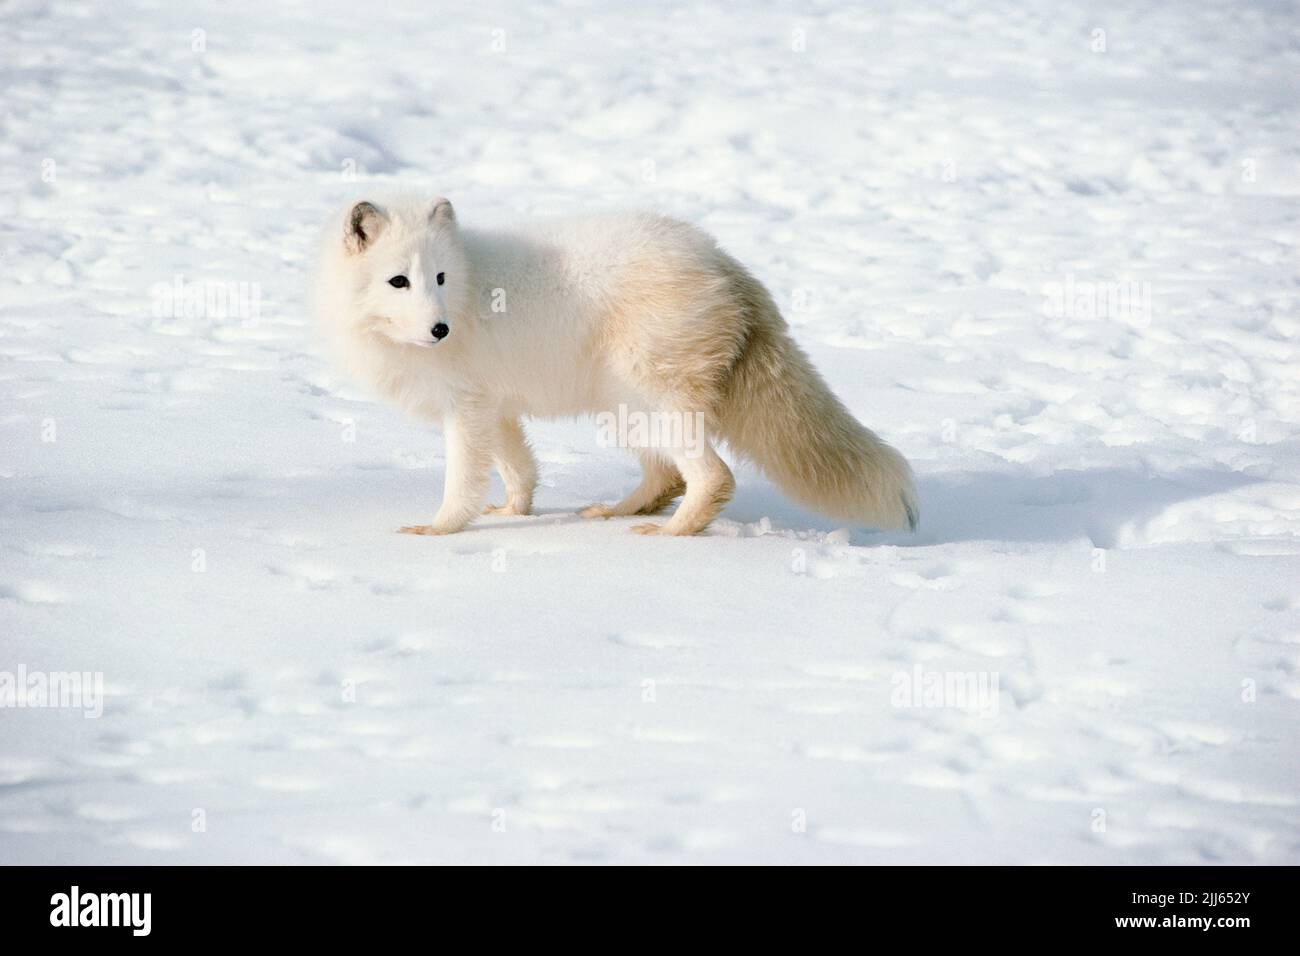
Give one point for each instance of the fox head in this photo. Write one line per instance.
(407, 270)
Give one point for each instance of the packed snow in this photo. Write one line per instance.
(1047, 250)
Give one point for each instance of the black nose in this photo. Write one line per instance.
(439, 331)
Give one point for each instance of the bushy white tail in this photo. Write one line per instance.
(779, 412)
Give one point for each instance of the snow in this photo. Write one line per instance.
(199, 508)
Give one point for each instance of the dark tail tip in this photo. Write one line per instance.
(912, 517)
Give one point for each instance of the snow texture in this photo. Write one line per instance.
(1048, 250)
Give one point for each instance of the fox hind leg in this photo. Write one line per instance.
(709, 485)
(661, 482)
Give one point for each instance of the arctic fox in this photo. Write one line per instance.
(630, 312)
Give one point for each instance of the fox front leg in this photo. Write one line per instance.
(518, 468)
(468, 439)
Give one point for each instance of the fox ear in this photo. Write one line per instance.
(364, 223)
(442, 214)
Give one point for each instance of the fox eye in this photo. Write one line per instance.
(442, 277)
(399, 282)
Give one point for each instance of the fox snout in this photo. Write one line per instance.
(440, 331)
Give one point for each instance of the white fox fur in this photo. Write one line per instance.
(581, 316)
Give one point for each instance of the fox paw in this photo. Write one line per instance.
(648, 529)
(596, 511)
(507, 509)
(424, 529)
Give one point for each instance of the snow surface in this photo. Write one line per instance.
(202, 510)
